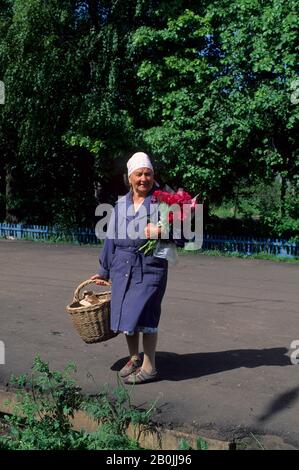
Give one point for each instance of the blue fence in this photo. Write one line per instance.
(40, 232)
(246, 245)
(251, 245)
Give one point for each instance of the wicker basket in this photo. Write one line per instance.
(92, 322)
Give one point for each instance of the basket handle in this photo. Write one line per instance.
(86, 283)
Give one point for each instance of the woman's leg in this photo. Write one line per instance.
(133, 344)
(149, 347)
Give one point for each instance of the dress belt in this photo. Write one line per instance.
(136, 257)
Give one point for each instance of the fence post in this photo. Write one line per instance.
(18, 231)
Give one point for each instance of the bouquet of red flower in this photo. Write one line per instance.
(174, 208)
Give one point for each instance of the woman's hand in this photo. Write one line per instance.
(152, 231)
(99, 281)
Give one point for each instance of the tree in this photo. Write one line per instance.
(42, 77)
(5, 21)
(101, 121)
(214, 83)
(204, 87)
(259, 65)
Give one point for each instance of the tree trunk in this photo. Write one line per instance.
(10, 196)
(93, 14)
(2, 193)
(283, 191)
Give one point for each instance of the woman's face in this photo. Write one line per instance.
(142, 181)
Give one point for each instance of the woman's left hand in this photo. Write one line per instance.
(152, 231)
(99, 281)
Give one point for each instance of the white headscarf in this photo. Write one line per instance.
(139, 160)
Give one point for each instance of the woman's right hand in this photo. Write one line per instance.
(100, 281)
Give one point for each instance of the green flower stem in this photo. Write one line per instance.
(148, 247)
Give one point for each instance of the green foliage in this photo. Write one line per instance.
(42, 77)
(47, 401)
(261, 255)
(201, 444)
(184, 445)
(216, 93)
(258, 209)
(116, 409)
(47, 409)
(205, 87)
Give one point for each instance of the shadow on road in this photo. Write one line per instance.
(177, 367)
(284, 400)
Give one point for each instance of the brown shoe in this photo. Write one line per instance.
(133, 364)
(140, 377)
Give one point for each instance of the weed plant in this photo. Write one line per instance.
(48, 400)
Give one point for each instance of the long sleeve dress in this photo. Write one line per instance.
(138, 280)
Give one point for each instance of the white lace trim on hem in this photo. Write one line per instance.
(141, 329)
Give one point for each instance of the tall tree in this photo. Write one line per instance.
(42, 76)
(102, 123)
(5, 21)
(258, 67)
(214, 87)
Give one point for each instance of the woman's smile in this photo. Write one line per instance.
(142, 180)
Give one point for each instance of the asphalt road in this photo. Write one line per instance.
(224, 343)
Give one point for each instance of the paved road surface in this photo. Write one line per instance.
(224, 345)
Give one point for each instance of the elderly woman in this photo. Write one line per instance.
(138, 280)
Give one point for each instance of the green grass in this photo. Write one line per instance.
(261, 256)
(57, 240)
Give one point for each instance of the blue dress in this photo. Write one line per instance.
(138, 280)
